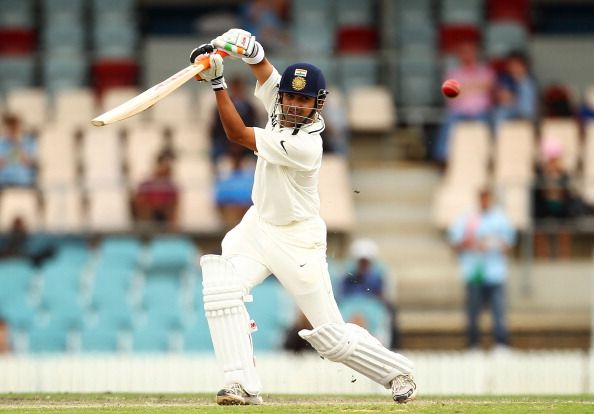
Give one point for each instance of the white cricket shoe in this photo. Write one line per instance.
(404, 389)
(235, 394)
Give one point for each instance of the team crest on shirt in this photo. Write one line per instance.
(298, 83)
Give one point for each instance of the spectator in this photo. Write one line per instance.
(474, 102)
(557, 102)
(220, 143)
(4, 337)
(293, 342)
(233, 189)
(156, 200)
(516, 92)
(366, 275)
(18, 152)
(552, 200)
(266, 19)
(586, 112)
(482, 239)
(18, 242)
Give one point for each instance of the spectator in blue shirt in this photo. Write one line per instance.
(516, 92)
(365, 276)
(18, 152)
(482, 239)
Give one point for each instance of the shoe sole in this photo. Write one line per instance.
(229, 400)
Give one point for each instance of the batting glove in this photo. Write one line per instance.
(242, 44)
(214, 73)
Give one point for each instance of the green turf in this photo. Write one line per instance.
(289, 404)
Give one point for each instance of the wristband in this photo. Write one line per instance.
(218, 84)
(258, 57)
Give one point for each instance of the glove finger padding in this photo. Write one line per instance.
(240, 39)
(215, 70)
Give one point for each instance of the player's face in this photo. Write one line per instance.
(296, 109)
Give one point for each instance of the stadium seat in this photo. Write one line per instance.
(18, 312)
(170, 254)
(416, 77)
(196, 336)
(514, 153)
(356, 71)
(30, 105)
(518, 10)
(176, 109)
(270, 325)
(57, 159)
(452, 35)
(193, 172)
(64, 39)
(114, 73)
(190, 140)
(144, 145)
(149, 339)
(47, 338)
(516, 202)
(16, 72)
(336, 200)
(15, 276)
(64, 72)
(113, 310)
(355, 12)
(462, 12)
(356, 39)
(502, 38)
(63, 11)
(197, 211)
(371, 110)
(74, 251)
(99, 339)
(468, 155)
(371, 310)
(567, 132)
(101, 147)
(114, 250)
(19, 202)
(63, 212)
(109, 210)
(16, 13)
(115, 40)
(74, 107)
(17, 41)
(451, 201)
(313, 26)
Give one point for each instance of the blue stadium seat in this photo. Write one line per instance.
(171, 254)
(147, 338)
(355, 13)
(62, 72)
(75, 253)
(504, 37)
(372, 310)
(266, 311)
(18, 312)
(66, 311)
(64, 39)
(462, 12)
(167, 317)
(15, 275)
(115, 40)
(313, 26)
(196, 336)
(117, 314)
(46, 338)
(120, 251)
(359, 70)
(99, 338)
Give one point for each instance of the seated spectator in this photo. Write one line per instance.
(365, 275)
(474, 102)
(220, 143)
(18, 153)
(557, 102)
(516, 92)
(552, 201)
(293, 342)
(233, 189)
(18, 242)
(156, 200)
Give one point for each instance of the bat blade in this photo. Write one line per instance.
(149, 97)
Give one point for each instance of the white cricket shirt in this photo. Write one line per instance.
(288, 166)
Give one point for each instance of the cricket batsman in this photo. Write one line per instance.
(282, 233)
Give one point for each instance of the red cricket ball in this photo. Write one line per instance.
(451, 88)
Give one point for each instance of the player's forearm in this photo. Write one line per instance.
(262, 70)
(235, 129)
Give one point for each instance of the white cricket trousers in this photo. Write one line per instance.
(294, 253)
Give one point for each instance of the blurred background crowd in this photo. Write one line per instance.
(436, 208)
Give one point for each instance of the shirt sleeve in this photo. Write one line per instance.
(283, 148)
(267, 92)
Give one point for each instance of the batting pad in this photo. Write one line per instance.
(228, 322)
(356, 348)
